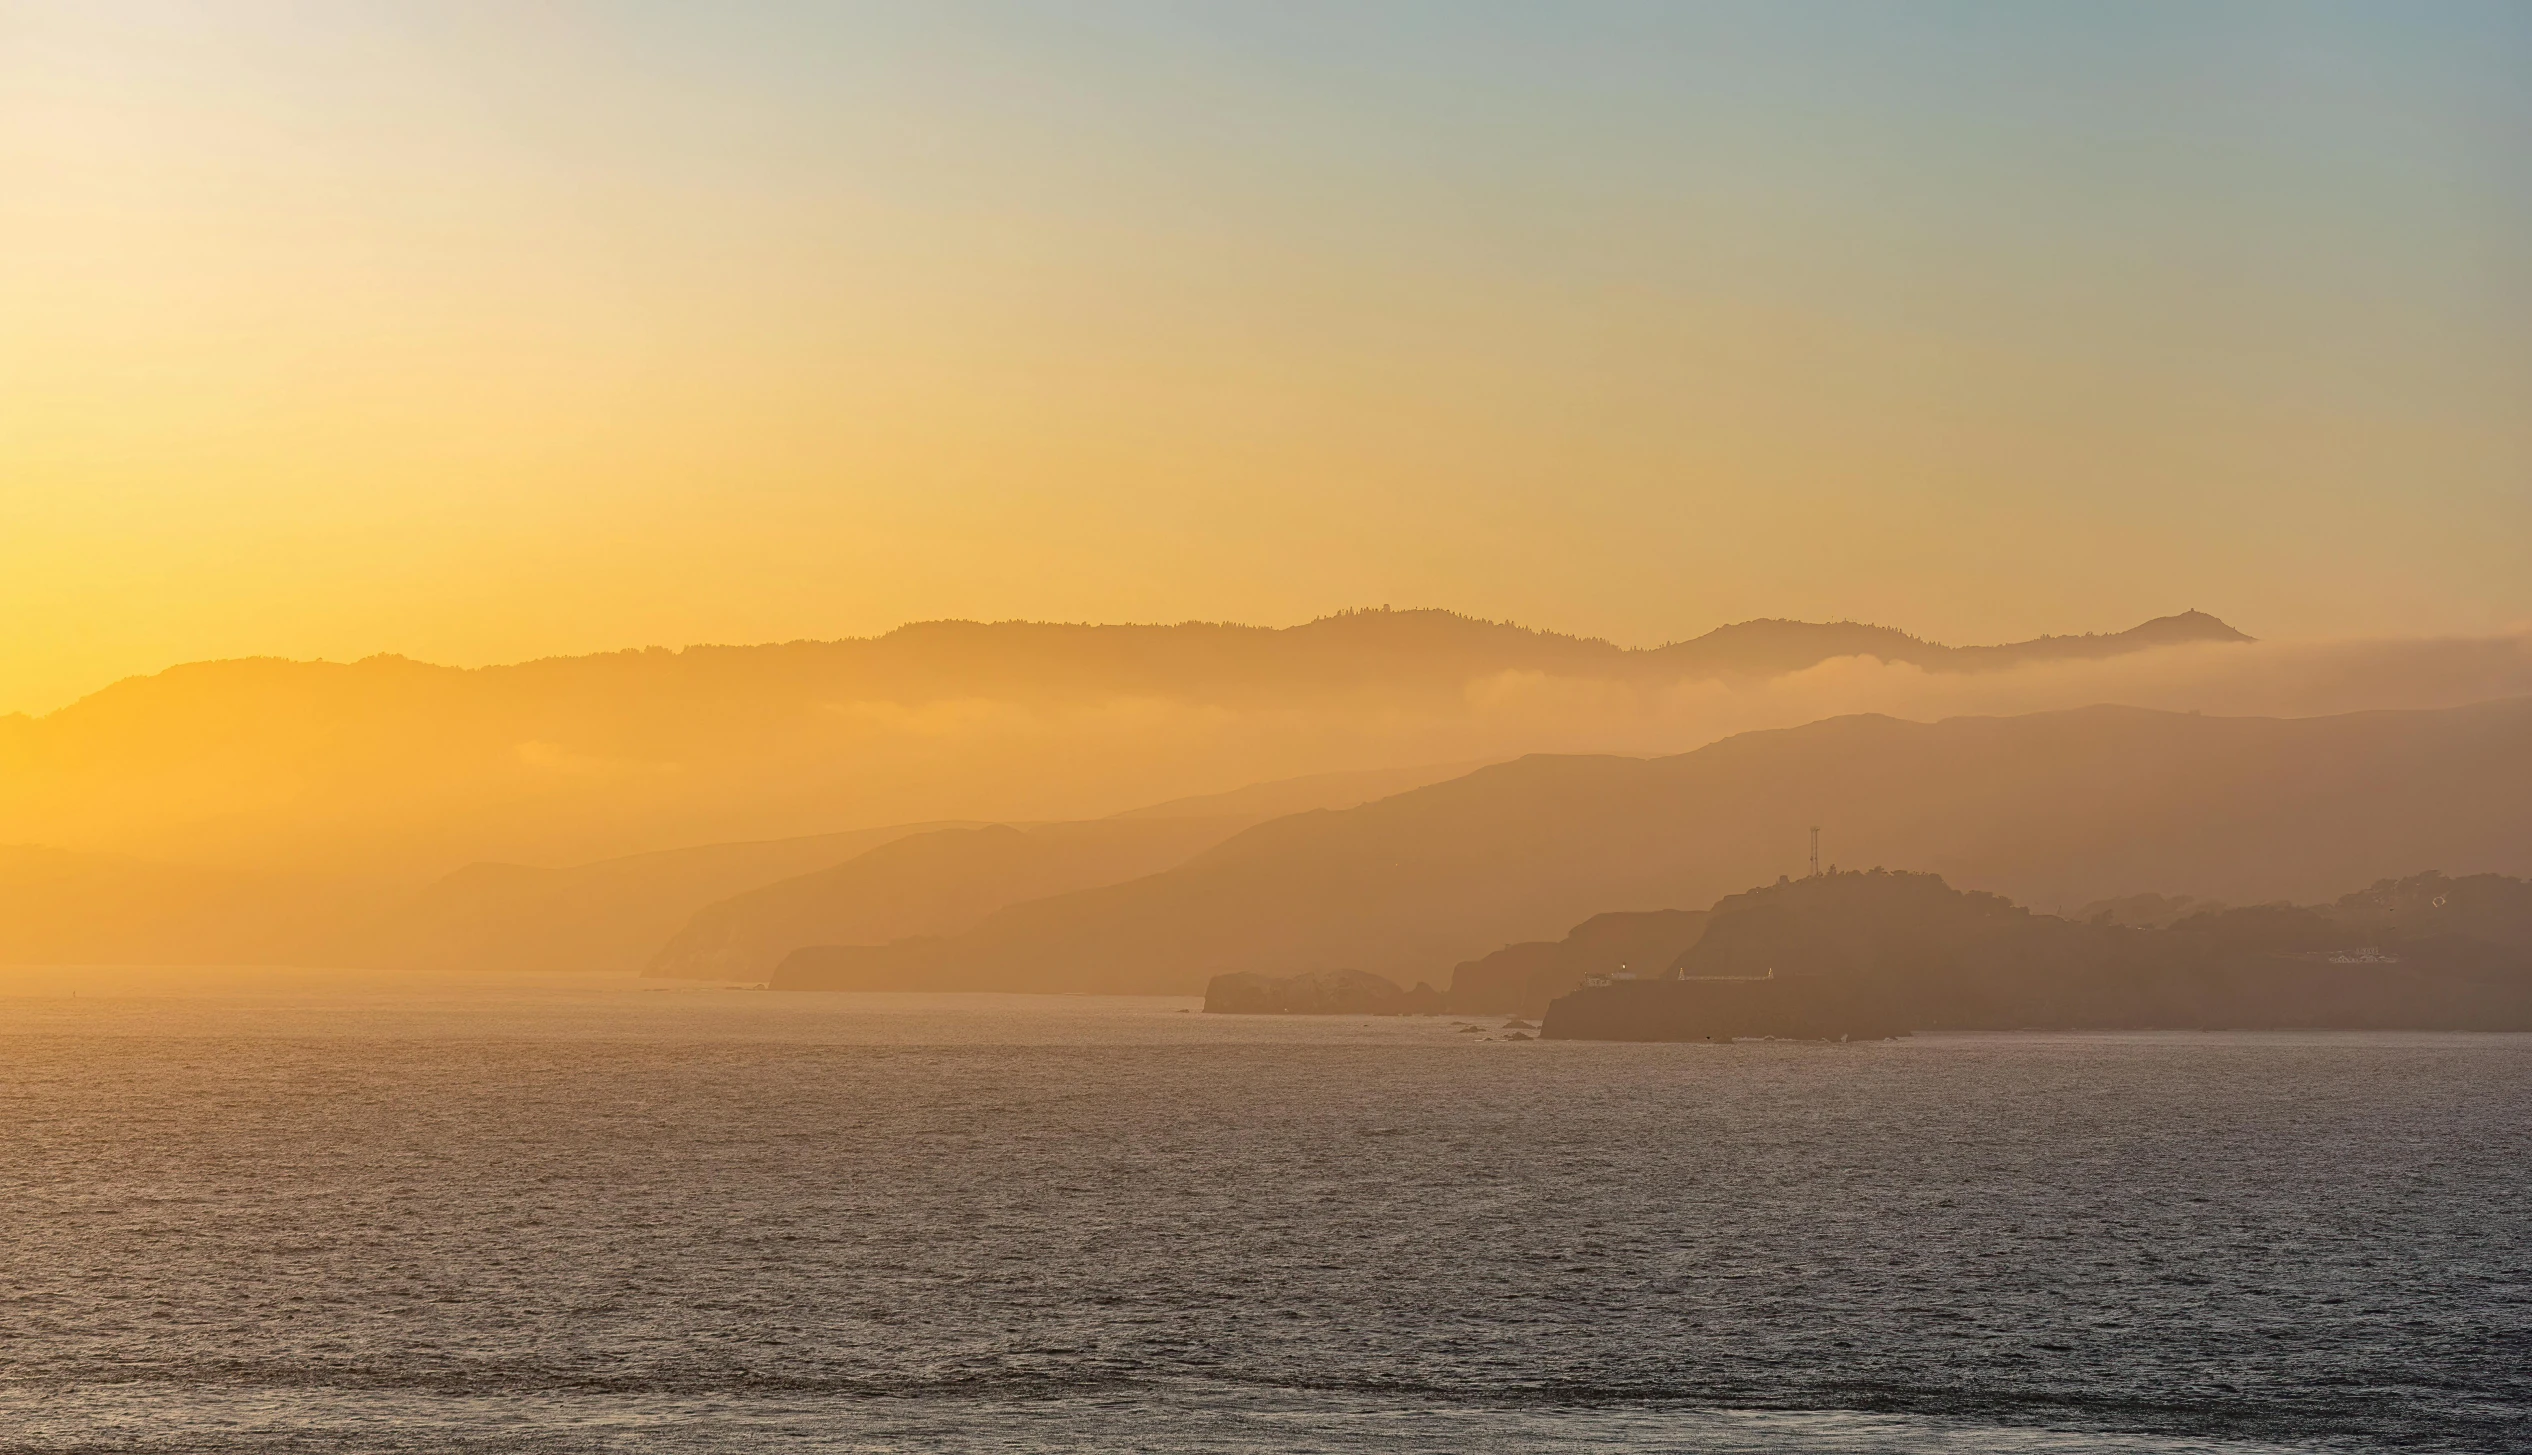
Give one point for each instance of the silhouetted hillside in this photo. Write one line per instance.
(1763, 648)
(2154, 911)
(1911, 951)
(2052, 808)
(2428, 908)
(618, 914)
(1521, 979)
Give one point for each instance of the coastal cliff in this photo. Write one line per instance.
(1521, 979)
(1845, 954)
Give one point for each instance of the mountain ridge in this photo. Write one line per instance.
(396, 770)
(1758, 644)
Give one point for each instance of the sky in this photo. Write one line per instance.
(486, 332)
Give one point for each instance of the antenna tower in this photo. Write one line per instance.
(1815, 851)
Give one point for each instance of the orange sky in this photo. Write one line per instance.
(476, 335)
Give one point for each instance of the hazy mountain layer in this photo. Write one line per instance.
(610, 915)
(66, 908)
(929, 884)
(401, 771)
(2052, 809)
(943, 882)
(618, 914)
(1300, 795)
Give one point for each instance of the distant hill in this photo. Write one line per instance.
(1765, 648)
(926, 884)
(2052, 808)
(942, 882)
(731, 910)
(400, 770)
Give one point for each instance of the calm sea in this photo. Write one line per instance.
(275, 1212)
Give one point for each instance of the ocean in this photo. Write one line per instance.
(296, 1211)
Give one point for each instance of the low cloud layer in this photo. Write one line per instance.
(2266, 679)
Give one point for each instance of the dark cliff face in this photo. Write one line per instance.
(1934, 957)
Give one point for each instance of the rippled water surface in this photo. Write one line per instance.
(291, 1212)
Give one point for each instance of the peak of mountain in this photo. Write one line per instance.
(2187, 626)
(1773, 646)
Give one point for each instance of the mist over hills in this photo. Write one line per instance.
(2051, 809)
(579, 812)
(400, 770)
(713, 910)
(1771, 647)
